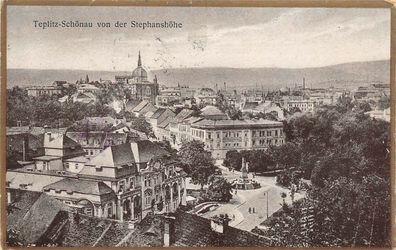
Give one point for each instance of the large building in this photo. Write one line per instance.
(139, 85)
(55, 89)
(123, 182)
(221, 136)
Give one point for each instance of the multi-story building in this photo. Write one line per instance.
(94, 142)
(123, 182)
(305, 105)
(44, 90)
(139, 85)
(220, 136)
(372, 92)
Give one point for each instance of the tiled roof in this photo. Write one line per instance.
(148, 108)
(122, 154)
(33, 215)
(147, 150)
(140, 106)
(131, 104)
(158, 113)
(88, 231)
(194, 231)
(183, 114)
(126, 154)
(165, 122)
(80, 186)
(192, 119)
(97, 138)
(148, 233)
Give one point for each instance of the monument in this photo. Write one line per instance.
(244, 182)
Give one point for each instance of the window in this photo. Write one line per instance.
(121, 185)
(147, 181)
(209, 136)
(218, 135)
(76, 166)
(276, 132)
(131, 182)
(66, 165)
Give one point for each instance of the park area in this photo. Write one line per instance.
(248, 208)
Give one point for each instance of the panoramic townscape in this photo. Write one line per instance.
(243, 127)
(139, 163)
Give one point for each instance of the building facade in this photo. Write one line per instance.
(225, 135)
(123, 182)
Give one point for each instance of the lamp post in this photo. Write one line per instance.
(266, 194)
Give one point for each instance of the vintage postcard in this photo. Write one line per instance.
(132, 126)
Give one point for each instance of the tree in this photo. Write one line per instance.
(286, 156)
(384, 102)
(197, 162)
(219, 189)
(233, 160)
(140, 124)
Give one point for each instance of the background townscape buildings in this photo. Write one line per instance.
(135, 161)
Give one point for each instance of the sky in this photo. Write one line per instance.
(210, 37)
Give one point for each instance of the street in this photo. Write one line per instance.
(238, 207)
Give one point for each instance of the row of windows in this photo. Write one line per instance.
(240, 133)
(266, 142)
(198, 133)
(126, 184)
(301, 105)
(262, 133)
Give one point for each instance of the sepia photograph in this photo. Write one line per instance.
(133, 126)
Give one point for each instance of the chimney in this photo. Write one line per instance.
(169, 229)
(303, 82)
(219, 223)
(225, 87)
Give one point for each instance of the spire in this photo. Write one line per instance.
(139, 60)
(155, 79)
(86, 79)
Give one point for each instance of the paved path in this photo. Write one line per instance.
(238, 208)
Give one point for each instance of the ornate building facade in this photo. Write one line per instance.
(123, 182)
(139, 85)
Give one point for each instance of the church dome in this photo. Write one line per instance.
(139, 72)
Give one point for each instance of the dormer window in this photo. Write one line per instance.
(99, 168)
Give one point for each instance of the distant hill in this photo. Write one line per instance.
(349, 74)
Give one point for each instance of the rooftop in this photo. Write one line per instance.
(80, 186)
(33, 215)
(33, 181)
(47, 158)
(231, 124)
